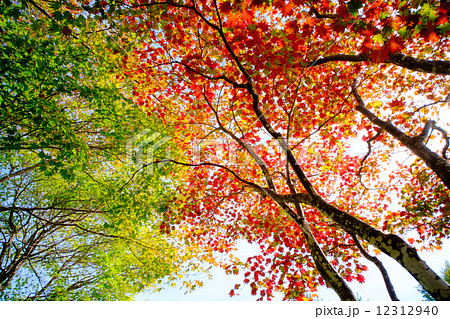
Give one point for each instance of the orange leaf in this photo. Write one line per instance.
(292, 27)
(394, 44)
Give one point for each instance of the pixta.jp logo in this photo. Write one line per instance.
(146, 144)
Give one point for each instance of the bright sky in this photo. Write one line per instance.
(405, 285)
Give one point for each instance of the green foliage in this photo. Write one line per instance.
(76, 221)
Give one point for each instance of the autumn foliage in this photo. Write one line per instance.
(291, 115)
(313, 129)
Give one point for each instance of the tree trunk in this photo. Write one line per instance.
(391, 245)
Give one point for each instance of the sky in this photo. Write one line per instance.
(218, 288)
(373, 289)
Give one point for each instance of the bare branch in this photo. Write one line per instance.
(379, 264)
(369, 145)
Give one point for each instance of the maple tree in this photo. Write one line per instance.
(269, 103)
(76, 221)
(276, 94)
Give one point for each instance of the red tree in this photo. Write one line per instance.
(276, 94)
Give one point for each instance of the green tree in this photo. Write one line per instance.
(76, 220)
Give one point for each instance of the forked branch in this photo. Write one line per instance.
(379, 264)
(415, 144)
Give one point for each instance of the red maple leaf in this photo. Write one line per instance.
(233, 19)
(442, 20)
(395, 104)
(429, 35)
(247, 16)
(379, 55)
(225, 7)
(338, 25)
(292, 27)
(395, 44)
(323, 31)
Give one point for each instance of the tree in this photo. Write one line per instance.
(276, 94)
(445, 274)
(76, 220)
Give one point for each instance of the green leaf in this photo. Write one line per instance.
(378, 38)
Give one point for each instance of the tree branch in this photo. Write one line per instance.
(379, 264)
(34, 4)
(426, 131)
(445, 137)
(214, 78)
(324, 267)
(324, 15)
(439, 165)
(369, 141)
(439, 67)
(262, 165)
(20, 172)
